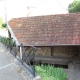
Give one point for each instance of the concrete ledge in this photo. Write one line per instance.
(25, 72)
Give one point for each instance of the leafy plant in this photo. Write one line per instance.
(13, 43)
(4, 25)
(5, 41)
(48, 72)
(74, 6)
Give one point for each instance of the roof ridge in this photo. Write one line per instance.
(48, 15)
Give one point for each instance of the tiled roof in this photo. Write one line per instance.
(47, 30)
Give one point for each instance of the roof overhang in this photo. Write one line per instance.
(12, 34)
(54, 45)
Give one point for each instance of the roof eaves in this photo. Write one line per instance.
(12, 34)
(54, 45)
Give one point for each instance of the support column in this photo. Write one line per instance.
(9, 34)
(21, 52)
(52, 51)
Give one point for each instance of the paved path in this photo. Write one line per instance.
(74, 71)
(7, 68)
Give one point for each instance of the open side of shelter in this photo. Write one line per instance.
(56, 37)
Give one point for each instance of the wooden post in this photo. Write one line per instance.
(9, 34)
(21, 52)
(51, 51)
(76, 53)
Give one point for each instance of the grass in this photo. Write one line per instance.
(5, 41)
(48, 72)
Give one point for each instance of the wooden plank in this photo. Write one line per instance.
(12, 34)
(53, 60)
(9, 34)
(52, 51)
(54, 45)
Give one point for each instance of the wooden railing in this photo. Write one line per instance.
(25, 53)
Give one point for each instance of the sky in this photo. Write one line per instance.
(24, 8)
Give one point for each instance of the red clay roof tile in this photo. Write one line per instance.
(47, 30)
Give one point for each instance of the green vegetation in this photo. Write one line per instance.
(74, 7)
(5, 41)
(2, 25)
(48, 72)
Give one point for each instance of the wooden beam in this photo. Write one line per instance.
(51, 51)
(55, 60)
(9, 34)
(17, 49)
(76, 53)
(12, 34)
(52, 60)
(54, 45)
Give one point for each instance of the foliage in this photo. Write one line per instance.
(5, 41)
(4, 25)
(13, 43)
(48, 72)
(74, 6)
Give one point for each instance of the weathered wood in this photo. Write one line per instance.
(52, 51)
(12, 34)
(76, 53)
(53, 60)
(54, 45)
(18, 49)
(9, 34)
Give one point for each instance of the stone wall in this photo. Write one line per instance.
(62, 51)
(66, 51)
(43, 51)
